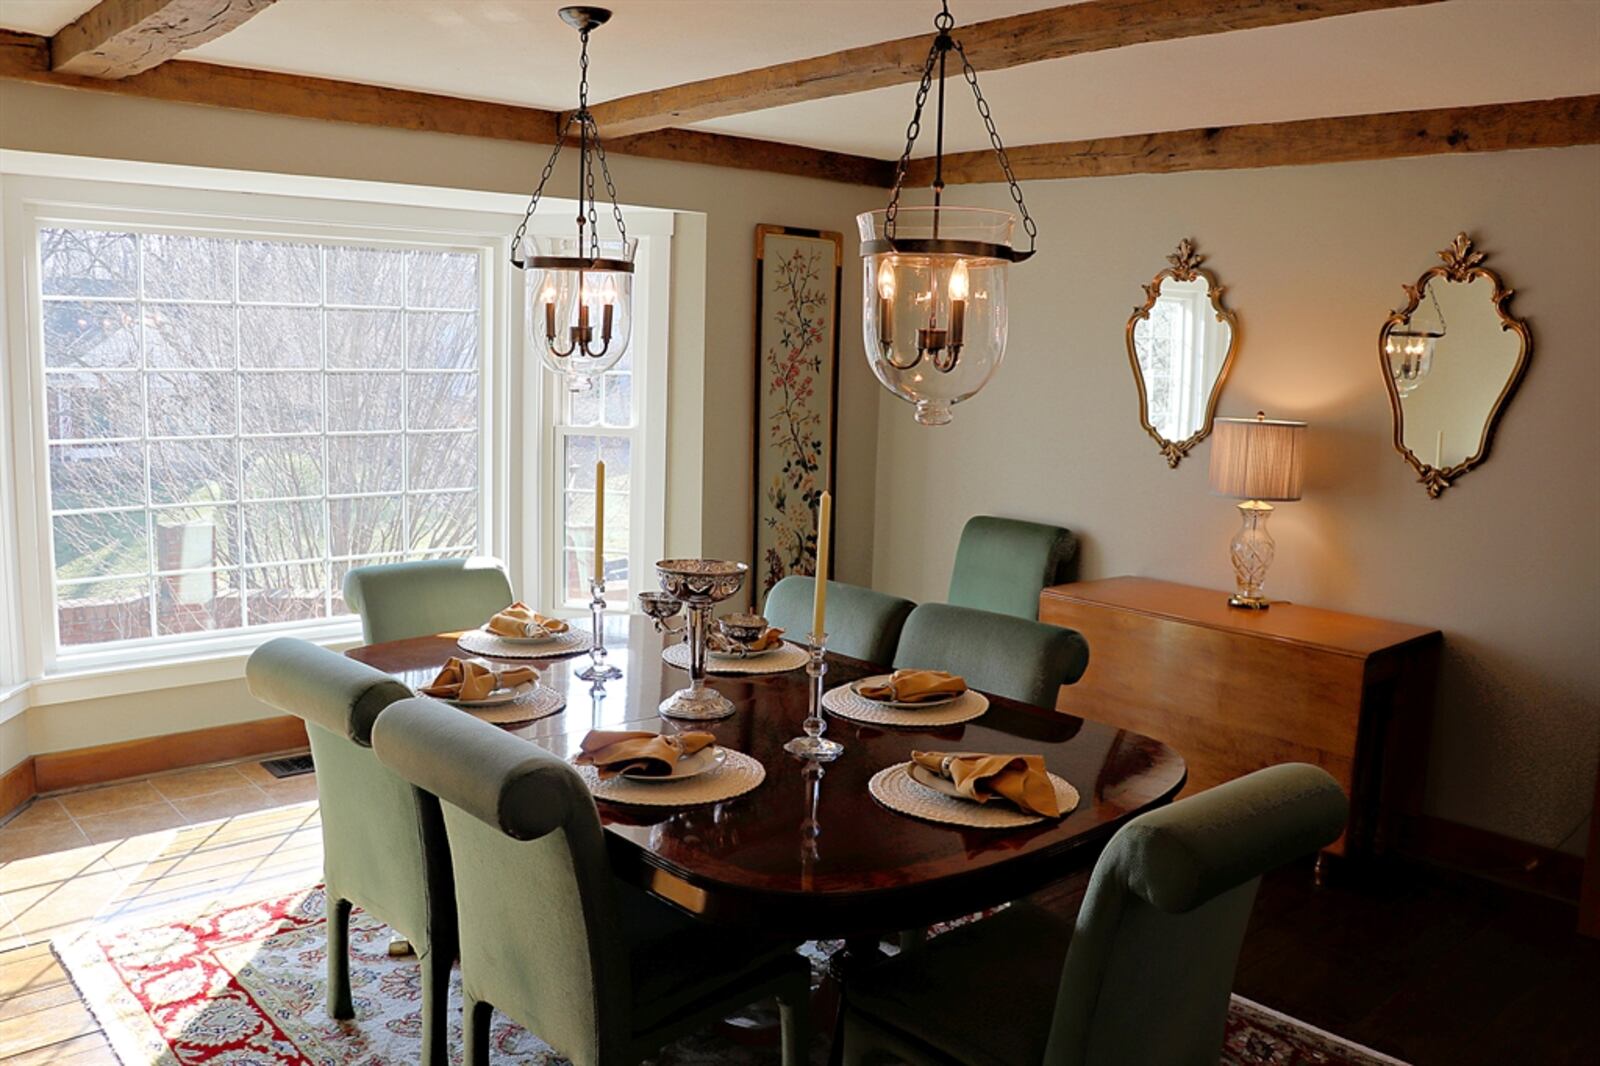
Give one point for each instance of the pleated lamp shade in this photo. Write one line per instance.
(1257, 458)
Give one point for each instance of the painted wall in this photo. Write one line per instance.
(709, 410)
(1507, 563)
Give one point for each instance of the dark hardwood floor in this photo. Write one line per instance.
(1430, 966)
(1427, 965)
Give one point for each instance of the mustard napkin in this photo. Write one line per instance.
(613, 751)
(474, 679)
(770, 639)
(915, 686)
(1020, 779)
(519, 620)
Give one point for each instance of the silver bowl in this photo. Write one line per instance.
(701, 581)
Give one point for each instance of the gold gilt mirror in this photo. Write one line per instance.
(1181, 344)
(1452, 357)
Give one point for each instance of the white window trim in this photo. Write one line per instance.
(647, 437)
(35, 186)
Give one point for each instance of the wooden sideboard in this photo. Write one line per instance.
(1235, 690)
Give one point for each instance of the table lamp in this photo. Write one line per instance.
(1255, 460)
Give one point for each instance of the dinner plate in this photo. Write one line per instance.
(497, 697)
(545, 639)
(883, 679)
(693, 766)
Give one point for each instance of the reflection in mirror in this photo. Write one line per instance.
(1453, 356)
(1181, 343)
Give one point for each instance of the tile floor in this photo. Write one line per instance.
(184, 841)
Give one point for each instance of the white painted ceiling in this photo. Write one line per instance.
(517, 51)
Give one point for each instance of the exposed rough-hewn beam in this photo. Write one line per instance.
(116, 38)
(26, 57)
(1485, 128)
(1032, 37)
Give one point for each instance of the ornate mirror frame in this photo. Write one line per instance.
(1460, 264)
(1185, 266)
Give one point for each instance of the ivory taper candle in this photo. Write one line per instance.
(819, 605)
(600, 521)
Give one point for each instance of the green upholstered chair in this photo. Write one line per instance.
(1002, 564)
(998, 653)
(597, 969)
(1145, 972)
(416, 599)
(383, 845)
(862, 624)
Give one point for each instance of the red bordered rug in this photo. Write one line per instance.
(245, 986)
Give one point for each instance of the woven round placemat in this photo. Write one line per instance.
(894, 788)
(846, 704)
(789, 657)
(738, 774)
(478, 642)
(539, 701)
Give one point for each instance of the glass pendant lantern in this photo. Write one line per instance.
(1410, 351)
(579, 288)
(934, 278)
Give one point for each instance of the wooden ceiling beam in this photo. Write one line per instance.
(1559, 123)
(118, 38)
(26, 57)
(1031, 37)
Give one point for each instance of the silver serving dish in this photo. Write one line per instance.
(698, 584)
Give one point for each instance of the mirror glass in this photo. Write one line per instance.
(1449, 383)
(1181, 347)
(1181, 343)
(1454, 355)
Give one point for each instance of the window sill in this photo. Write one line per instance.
(101, 675)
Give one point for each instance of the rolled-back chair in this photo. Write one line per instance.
(383, 845)
(546, 936)
(862, 623)
(999, 653)
(1144, 973)
(1002, 564)
(426, 596)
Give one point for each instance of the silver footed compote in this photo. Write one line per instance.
(699, 584)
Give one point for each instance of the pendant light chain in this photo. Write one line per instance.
(588, 144)
(912, 130)
(1029, 226)
(944, 22)
(538, 191)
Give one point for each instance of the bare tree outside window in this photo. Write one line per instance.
(234, 423)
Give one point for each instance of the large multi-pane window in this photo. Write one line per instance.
(233, 422)
(598, 423)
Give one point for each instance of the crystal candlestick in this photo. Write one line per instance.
(598, 669)
(814, 745)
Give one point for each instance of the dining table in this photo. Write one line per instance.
(810, 853)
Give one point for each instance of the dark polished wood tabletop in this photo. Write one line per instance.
(865, 869)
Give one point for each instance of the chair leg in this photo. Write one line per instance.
(794, 1005)
(339, 1005)
(475, 1016)
(436, 1008)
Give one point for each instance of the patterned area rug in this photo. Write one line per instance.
(244, 986)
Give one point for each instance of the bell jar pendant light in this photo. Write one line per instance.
(579, 288)
(934, 278)
(1410, 351)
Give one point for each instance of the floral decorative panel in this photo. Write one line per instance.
(798, 274)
